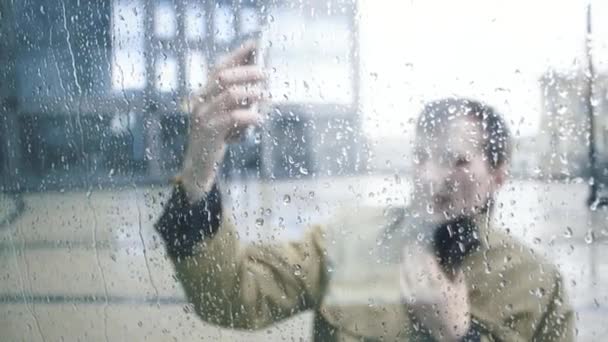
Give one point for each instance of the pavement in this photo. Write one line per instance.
(88, 266)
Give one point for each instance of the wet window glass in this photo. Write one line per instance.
(303, 169)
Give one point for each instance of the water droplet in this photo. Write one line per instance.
(286, 199)
(311, 194)
(257, 138)
(589, 237)
(568, 232)
(538, 292)
(452, 109)
(430, 209)
(259, 222)
(140, 324)
(303, 170)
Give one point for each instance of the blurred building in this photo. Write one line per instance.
(564, 132)
(600, 102)
(92, 92)
(600, 132)
(525, 158)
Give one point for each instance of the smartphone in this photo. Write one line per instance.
(257, 57)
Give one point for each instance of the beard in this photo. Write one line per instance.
(453, 241)
(451, 238)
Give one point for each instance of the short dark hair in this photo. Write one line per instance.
(496, 135)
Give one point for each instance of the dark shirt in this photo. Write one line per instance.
(183, 224)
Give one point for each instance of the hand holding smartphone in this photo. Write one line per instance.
(257, 55)
(257, 58)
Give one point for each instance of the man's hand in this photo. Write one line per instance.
(223, 110)
(439, 303)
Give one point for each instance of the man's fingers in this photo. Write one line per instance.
(231, 109)
(245, 117)
(238, 56)
(237, 97)
(226, 78)
(231, 70)
(421, 275)
(240, 74)
(241, 119)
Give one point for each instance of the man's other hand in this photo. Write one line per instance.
(441, 304)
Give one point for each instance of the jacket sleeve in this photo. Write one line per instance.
(183, 225)
(247, 287)
(520, 300)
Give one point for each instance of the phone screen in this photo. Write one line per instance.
(257, 57)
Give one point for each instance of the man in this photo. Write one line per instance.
(469, 282)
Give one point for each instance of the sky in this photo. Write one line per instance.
(492, 50)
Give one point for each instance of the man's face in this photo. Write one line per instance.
(452, 177)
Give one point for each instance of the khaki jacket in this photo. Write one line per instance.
(514, 294)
